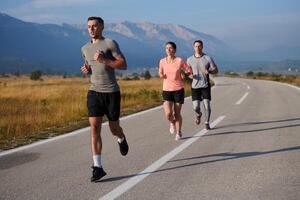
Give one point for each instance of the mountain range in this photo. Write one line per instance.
(52, 48)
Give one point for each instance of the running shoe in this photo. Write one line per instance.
(123, 147)
(97, 173)
(198, 119)
(178, 136)
(207, 127)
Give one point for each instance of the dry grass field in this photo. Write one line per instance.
(290, 79)
(294, 80)
(33, 110)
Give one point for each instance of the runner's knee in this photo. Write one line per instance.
(95, 131)
(206, 104)
(95, 127)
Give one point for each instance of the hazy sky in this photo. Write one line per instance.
(245, 25)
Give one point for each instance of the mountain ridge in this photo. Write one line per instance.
(56, 48)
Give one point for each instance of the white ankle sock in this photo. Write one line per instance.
(120, 140)
(97, 160)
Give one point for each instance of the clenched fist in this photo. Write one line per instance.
(86, 69)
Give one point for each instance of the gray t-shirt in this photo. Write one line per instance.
(198, 65)
(103, 77)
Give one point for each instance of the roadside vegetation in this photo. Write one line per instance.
(291, 79)
(45, 106)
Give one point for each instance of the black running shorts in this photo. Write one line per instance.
(201, 93)
(174, 96)
(100, 104)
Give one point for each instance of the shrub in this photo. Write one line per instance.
(231, 73)
(35, 75)
(260, 74)
(136, 78)
(147, 75)
(250, 73)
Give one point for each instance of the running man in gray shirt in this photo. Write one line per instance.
(101, 57)
(202, 65)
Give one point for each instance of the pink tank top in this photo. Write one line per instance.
(173, 80)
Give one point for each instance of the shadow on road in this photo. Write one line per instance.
(248, 124)
(117, 178)
(249, 131)
(255, 123)
(16, 159)
(228, 156)
(225, 156)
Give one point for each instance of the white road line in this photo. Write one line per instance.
(43, 142)
(242, 99)
(118, 191)
(248, 87)
(73, 133)
(286, 84)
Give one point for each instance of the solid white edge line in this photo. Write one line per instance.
(43, 141)
(242, 99)
(124, 187)
(280, 83)
(286, 84)
(73, 133)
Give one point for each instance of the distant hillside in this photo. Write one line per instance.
(56, 48)
(280, 67)
(276, 53)
(31, 44)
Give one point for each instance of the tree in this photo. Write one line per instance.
(250, 73)
(36, 75)
(147, 75)
(135, 76)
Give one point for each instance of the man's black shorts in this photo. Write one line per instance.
(174, 96)
(100, 104)
(201, 93)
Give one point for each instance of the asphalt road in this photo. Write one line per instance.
(252, 152)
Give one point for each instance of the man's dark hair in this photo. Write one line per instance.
(172, 44)
(198, 41)
(99, 19)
